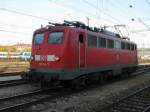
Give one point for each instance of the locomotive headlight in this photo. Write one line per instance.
(56, 58)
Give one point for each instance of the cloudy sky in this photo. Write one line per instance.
(19, 18)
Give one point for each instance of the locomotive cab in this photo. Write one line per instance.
(46, 49)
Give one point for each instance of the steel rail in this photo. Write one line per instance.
(127, 103)
(147, 109)
(12, 83)
(23, 104)
(15, 73)
(9, 81)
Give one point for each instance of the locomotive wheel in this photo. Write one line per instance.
(66, 84)
(43, 85)
(124, 75)
(77, 83)
(102, 79)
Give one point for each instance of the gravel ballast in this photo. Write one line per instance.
(15, 90)
(96, 98)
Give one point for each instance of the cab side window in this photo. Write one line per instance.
(81, 38)
(102, 42)
(123, 45)
(117, 44)
(91, 41)
(127, 46)
(110, 43)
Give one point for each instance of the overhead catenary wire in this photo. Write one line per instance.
(25, 14)
(8, 31)
(123, 12)
(16, 26)
(20, 13)
(126, 12)
(43, 18)
(147, 1)
(85, 12)
(140, 31)
(141, 21)
(102, 11)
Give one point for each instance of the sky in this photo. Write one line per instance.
(20, 18)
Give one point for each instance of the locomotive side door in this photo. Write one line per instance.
(81, 43)
(117, 57)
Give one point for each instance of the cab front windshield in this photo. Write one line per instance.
(55, 37)
(38, 38)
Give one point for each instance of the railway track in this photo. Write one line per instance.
(19, 103)
(136, 102)
(142, 69)
(12, 83)
(14, 73)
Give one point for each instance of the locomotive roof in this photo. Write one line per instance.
(78, 26)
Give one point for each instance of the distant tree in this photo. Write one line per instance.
(27, 50)
(13, 49)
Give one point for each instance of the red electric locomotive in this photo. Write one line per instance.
(72, 50)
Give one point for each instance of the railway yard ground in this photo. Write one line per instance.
(5, 78)
(90, 99)
(10, 67)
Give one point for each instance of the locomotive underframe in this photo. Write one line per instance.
(50, 75)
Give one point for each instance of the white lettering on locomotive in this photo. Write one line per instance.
(37, 57)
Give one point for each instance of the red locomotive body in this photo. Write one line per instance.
(64, 52)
